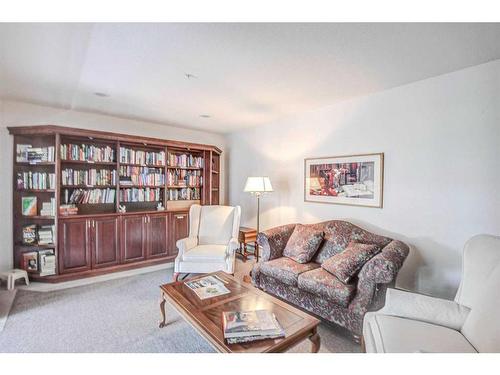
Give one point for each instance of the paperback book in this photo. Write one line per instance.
(208, 287)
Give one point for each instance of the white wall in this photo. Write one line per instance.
(17, 114)
(441, 139)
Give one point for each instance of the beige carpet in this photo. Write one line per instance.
(6, 301)
(119, 315)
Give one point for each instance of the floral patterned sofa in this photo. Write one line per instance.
(310, 287)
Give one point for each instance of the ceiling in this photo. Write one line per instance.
(244, 74)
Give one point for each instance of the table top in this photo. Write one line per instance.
(248, 230)
(206, 315)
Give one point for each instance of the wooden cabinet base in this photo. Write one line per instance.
(100, 271)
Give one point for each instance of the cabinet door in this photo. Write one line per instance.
(74, 245)
(105, 243)
(157, 236)
(179, 229)
(133, 238)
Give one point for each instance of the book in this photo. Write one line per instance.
(22, 153)
(207, 287)
(237, 324)
(29, 234)
(29, 261)
(46, 235)
(28, 205)
(47, 262)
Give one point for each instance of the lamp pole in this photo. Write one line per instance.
(258, 211)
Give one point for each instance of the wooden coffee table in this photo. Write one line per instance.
(206, 315)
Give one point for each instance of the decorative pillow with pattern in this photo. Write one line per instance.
(346, 264)
(303, 243)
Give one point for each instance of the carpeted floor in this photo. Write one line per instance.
(116, 316)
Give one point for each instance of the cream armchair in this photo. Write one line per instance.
(411, 322)
(212, 241)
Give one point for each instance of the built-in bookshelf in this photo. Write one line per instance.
(92, 179)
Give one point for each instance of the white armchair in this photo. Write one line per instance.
(212, 241)
(411, 322)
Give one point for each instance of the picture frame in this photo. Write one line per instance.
(356, 180)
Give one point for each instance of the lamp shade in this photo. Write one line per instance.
(258, 185)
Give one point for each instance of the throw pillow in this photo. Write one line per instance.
(346, 264)
(303, 243)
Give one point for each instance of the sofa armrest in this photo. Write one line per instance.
(381, 269)
(272, 242)
(424, 308)
(185, 244)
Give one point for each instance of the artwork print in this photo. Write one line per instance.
(353, 180)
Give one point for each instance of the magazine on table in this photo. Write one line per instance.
(251, 325)
(208, 287)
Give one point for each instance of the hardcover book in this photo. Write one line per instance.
(29, 234)
(30, 261)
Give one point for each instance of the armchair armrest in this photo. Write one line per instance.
(424, 308)
(185, 244)
(232, 246)
(273, 241)
(381, 269)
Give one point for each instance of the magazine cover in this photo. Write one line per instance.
(208, 287)
(250, 323)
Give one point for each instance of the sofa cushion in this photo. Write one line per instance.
(390, 334)
(286, 270)
(338, 234)
(326, 285)
(303, 243)
(347, 264)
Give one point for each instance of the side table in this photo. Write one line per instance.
(248, 236)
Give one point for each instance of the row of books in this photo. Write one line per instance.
(141, 176)
(38, 235)
(29, 154)
(185, 160)
(48, 208)
(183, 194)
(184, 177)
(90, 177)
(91, 196)
(131, 156)
(36, 180)
(68, 209)
(42, 262)
(86, 152)
(140, 195)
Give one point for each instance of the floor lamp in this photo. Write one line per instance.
(258, 186)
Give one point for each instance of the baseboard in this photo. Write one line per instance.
(48, 287)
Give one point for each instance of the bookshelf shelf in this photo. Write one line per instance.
(88, 186)
(186, 168)
(155, 180)
(142, 165)
(38, 217)
(36, 190)
(89, 162)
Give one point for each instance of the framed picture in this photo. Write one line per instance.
(353, 179)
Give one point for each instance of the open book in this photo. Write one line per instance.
(208, 287)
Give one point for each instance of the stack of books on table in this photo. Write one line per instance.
(247, 326)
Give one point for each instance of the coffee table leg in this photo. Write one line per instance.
(162, 310)
(315, 341)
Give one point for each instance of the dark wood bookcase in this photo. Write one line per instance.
(135, 173)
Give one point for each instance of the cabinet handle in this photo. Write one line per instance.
(93, 223)
(88, 224)
(180, 217)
